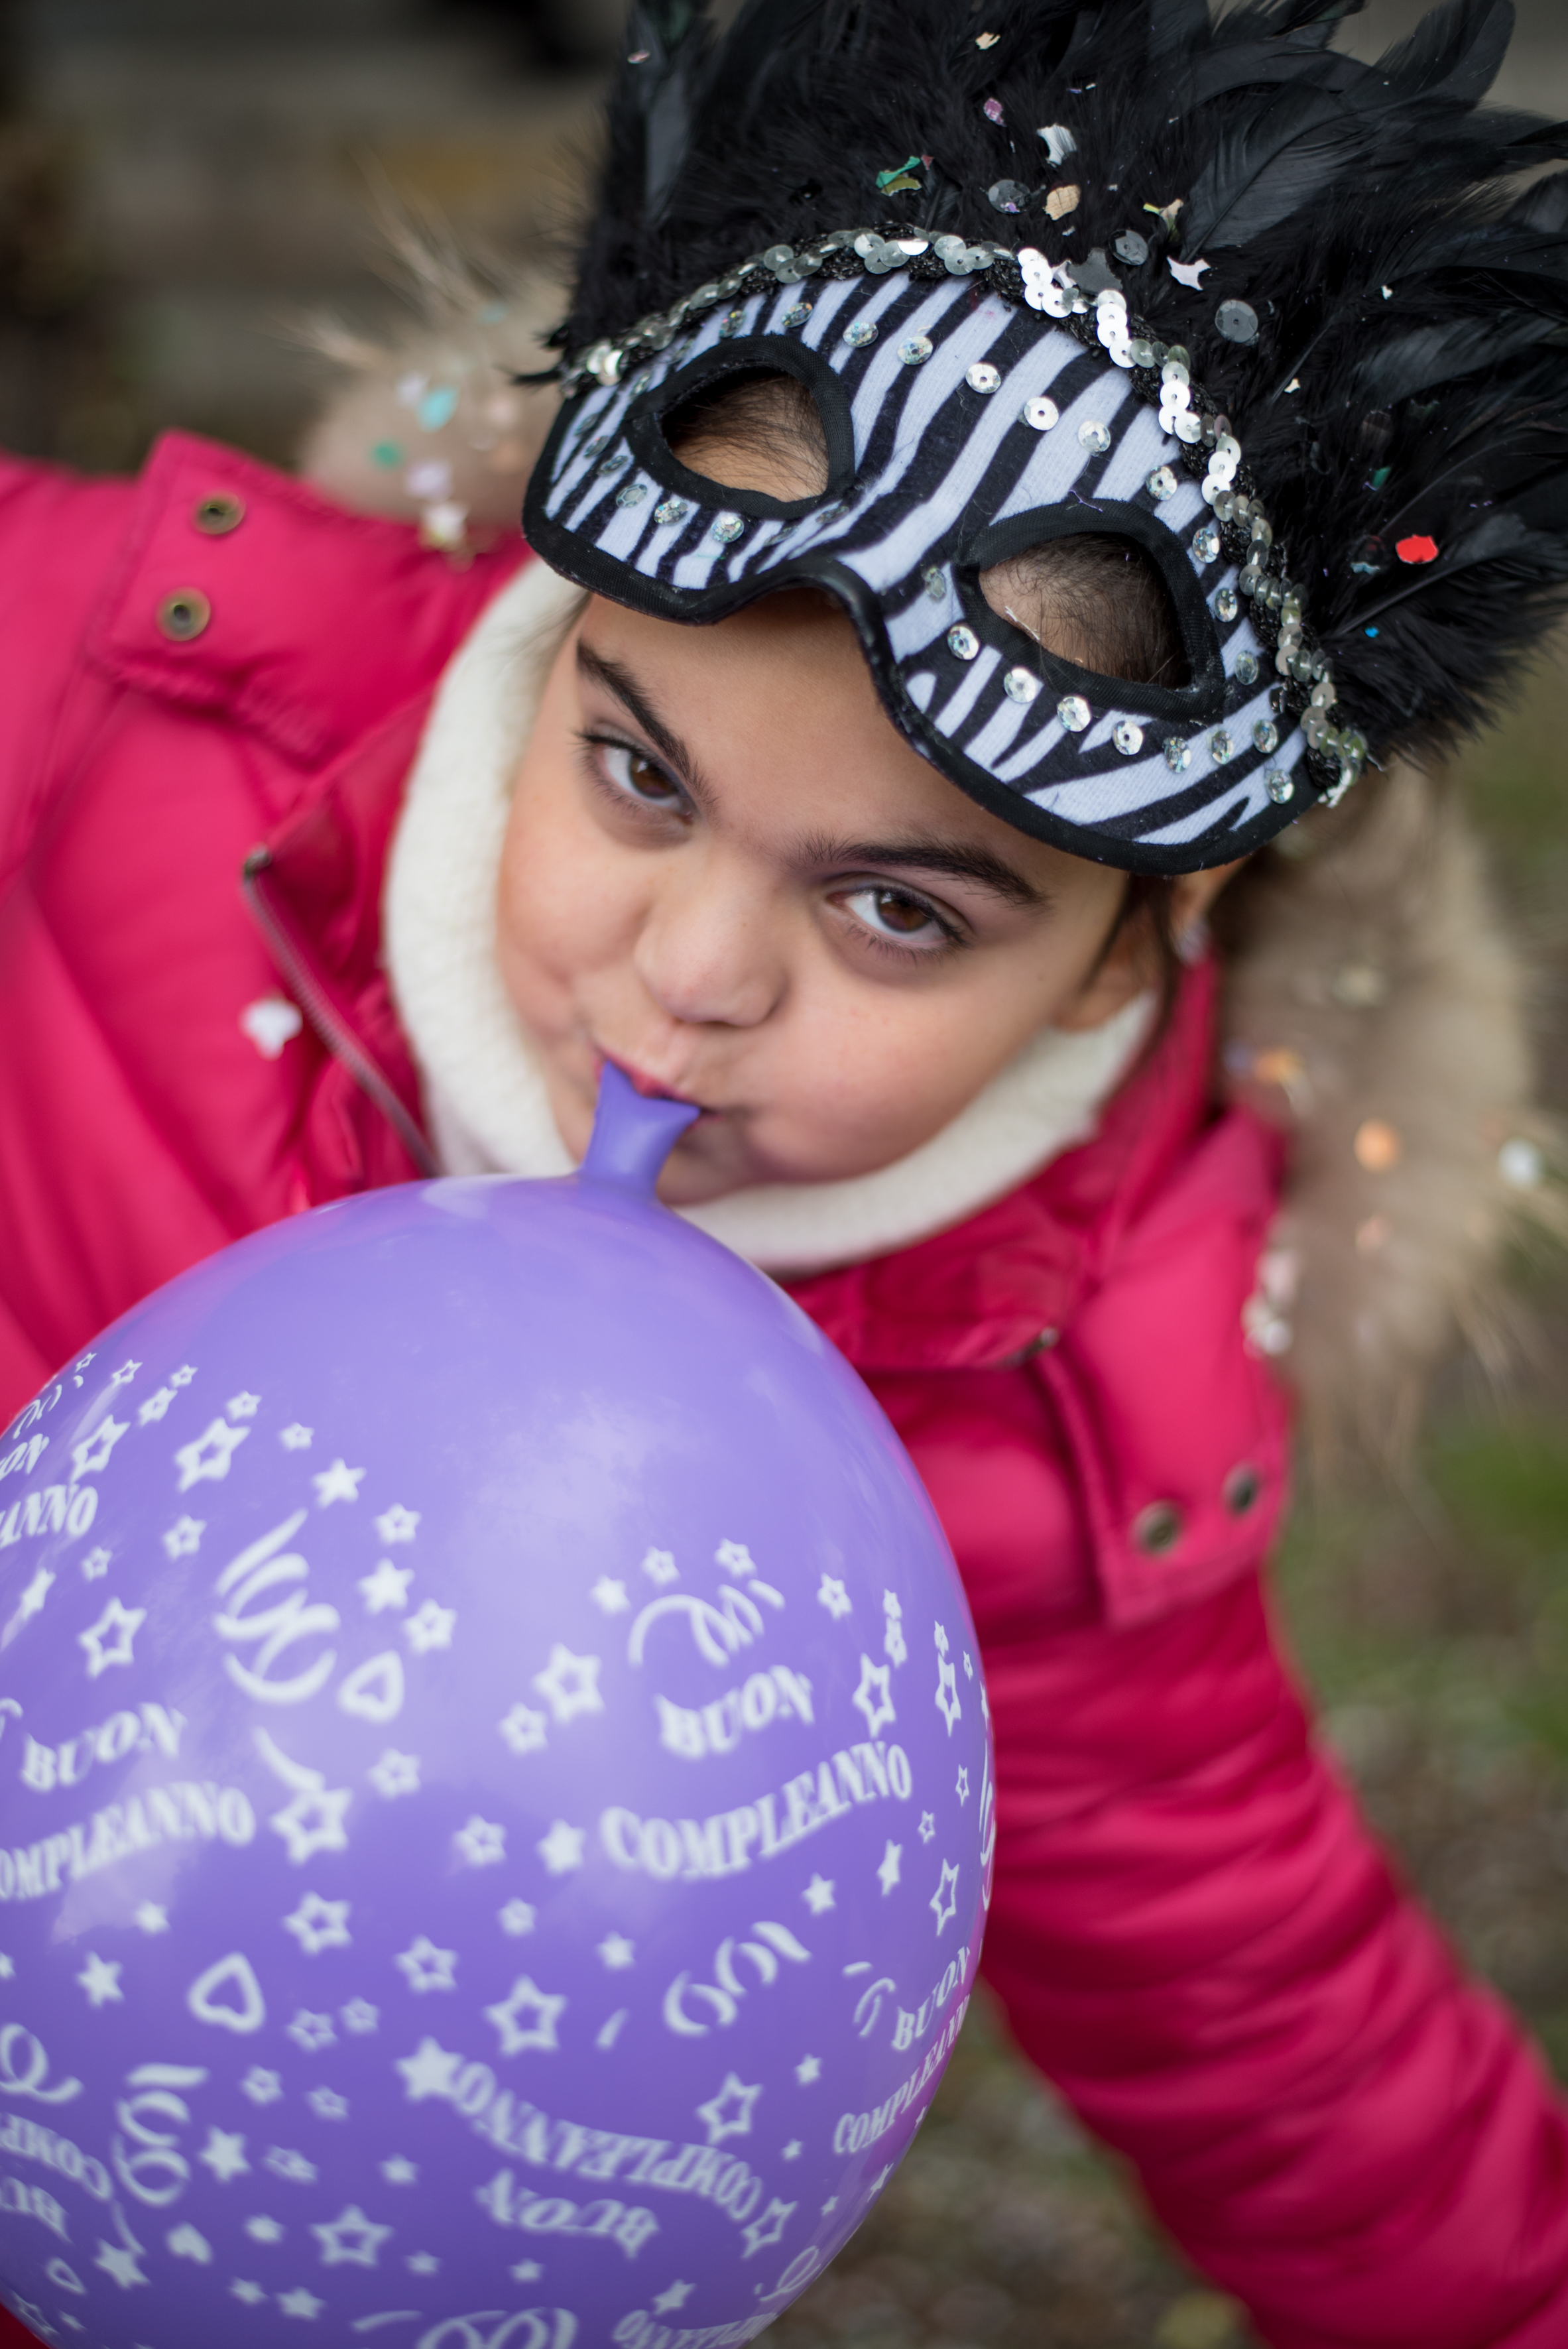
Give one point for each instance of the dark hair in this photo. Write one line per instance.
(1098, 601)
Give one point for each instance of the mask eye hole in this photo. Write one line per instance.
(1094, 599)
(757, 430)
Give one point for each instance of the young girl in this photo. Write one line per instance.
(926, 622)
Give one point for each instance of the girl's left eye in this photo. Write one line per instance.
(897, 918)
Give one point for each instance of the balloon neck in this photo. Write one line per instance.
(633, 1134)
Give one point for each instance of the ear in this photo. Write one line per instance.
(1131, 963)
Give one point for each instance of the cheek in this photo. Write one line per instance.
(565, 904)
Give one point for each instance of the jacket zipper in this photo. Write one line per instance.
(333, 1031)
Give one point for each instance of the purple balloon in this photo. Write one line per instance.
(496, 1795)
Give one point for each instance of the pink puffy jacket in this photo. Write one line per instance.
(1191, 1932)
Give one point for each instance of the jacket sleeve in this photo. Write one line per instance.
(60, 540)
(1196, 1938)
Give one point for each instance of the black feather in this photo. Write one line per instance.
(1411, 376)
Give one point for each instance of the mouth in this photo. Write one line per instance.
(651, 1088)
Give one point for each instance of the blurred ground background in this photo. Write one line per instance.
(180, 182)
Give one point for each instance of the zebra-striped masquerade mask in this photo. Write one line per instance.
(962, 428)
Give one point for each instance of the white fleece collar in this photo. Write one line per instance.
(484, 1091)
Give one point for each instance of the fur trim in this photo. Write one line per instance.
(432, 427)
(484, 1091)
(1374, 1009)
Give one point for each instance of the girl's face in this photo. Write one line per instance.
(726, 872)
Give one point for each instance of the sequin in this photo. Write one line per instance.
(1143, 354)
(1162, 482)
(916, 351)
(731, 323)
(935, 583)
(1278, 785)
(1227, 604)
(1095, 438)
(671, 509)
(1074, 712)
(1265, 736)
(963, 643)
(1248, 668)
(1134, 249)
(861, 332)
(1221, 747)
(616, 459)
(1178, 753)
(1417, 550)
(727, 528)
(1128, 739)
(1379, 1146)
(1007, 195)
(992, 109)
(1020, 685)
(596, 447)
(983, 377)
(797, 314)
(438, 406)
(1237, 321)
(1521, 1163)
(1039, 414)
(633, 494)
(1206, 545)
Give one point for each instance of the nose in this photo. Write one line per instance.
(710, 950)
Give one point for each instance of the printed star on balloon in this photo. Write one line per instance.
(317, 1924)
(339, 1482)
(525, 1730)
(430, 1627)
(224, 2155)
(874, 1695)
(91, 1456)
(481, 1842)
(831, 1594)
(569, 1683)
(561, 1848)
(430, 2071)
(394, 1774)
(109, 1641)
(769, 2227)
(945, 1899)
(526, 1998)
(728, 2112)
(207, 1459)
(388, 1586)
(101, 1980)
(425, 1967)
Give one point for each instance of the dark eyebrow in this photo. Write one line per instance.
(956, 858)
(620, 682)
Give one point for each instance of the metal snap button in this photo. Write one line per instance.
(183, 614)
(217, 514)
(1157, 1529)
(1242, 1487)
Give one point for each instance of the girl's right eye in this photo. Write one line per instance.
(635, 776)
